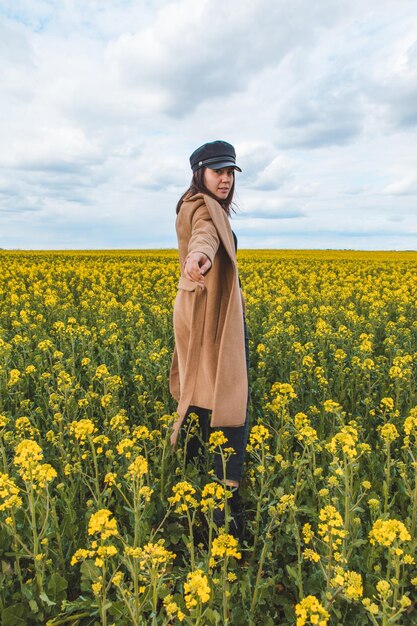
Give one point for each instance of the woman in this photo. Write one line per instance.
(209, 373)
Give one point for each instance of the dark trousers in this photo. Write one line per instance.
(237, 437)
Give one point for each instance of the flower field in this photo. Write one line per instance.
(101, 523)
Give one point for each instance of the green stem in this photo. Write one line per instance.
(96, 474)
(414, 510)
(191, 536)
(299, 557)
(103, 598)
(347, 495)
(225, 594)
(387, 478)
(258, 578)
(35, 535)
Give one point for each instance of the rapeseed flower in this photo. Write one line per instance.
(138, 468)
(345, 440)
(224, 546)
(330, 527)
(82, 429)
(216, 439)
(172, 609)
(196, 589)
(258, 437)
(9, 493)
(183, 497)
(387, 532)
(389, 433)
(213, 496)
(311, 611)
(100, 523)
(151, 555)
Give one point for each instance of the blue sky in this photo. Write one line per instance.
(103, 101)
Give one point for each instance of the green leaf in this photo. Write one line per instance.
(89, 572)
(45, 599)
(33, 606)
(56, 587)
(14, 616)
(212, 617)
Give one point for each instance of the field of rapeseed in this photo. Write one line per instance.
(100, 523)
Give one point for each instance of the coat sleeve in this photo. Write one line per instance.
(204, 236)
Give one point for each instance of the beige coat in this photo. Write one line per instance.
(209, 365)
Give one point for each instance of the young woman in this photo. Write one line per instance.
(209, 373)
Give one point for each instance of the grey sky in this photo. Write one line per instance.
(101, 104)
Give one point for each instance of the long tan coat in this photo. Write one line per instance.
(209, 366)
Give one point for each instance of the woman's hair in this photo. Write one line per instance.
(197, 186)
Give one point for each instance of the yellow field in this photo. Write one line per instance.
(101, 523)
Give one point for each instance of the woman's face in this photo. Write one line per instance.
(219, 182)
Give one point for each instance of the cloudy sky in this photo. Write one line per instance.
(103, 101)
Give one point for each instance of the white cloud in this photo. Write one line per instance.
(404, 187)
(102, 103)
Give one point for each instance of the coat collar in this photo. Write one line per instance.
(221, 222)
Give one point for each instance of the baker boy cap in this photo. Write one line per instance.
(215, 155)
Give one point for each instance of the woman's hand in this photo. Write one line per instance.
(196, 265)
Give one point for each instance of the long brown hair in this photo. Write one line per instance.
(197, 186)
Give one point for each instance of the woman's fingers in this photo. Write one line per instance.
(206, 265)
(193, 270)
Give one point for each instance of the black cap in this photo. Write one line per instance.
(215, 155)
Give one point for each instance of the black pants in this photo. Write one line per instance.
(237, 437)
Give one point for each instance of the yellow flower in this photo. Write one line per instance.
(310, 610)
(124, 447)
(196, 589)
(138, 468)
(258, 437)
(110, 478)
(386, 532)
(9, 493)
(97, 587)
(146, 493)
(370, 606)
(4, 420)
(330, 406)
(389, 433)
(43, 474)
(212, 496)
(331, 526)
(384, 588)
(151, 556)
(387, 404)
(14, 378)
(172, 609)
(82, 429)
(350, 582)
(346, 441)
(183, 497)
(216, 439)
(28, 455)
(308, 533)
(286, 503)
(405, 602)
(117, 579)
(100, 523)
(80, 555)
(311, 555)
(305, 431)
(224, 546)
